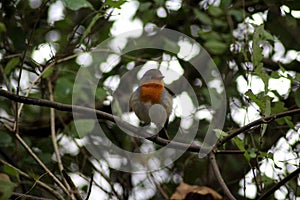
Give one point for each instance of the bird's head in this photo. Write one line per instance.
(152, 76)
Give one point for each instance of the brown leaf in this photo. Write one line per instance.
(4, 177)
(194, 192)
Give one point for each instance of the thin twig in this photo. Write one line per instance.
(27, 196)
(19, 138)
(229, 151)
(263, 120)
(36, 158)
(90, 187)
(53, 136)
(6, 82)
(107, 179)
(40, 183)
(96, 184)
(12, 56)
(27, 41)
(279, 184)
(72, 185)
(257, 184)
(219, 176)
(157, 185)
(41, 75)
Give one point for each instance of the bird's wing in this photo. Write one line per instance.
(131, 98)
(170, 91)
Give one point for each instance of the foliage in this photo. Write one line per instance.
(253, 43)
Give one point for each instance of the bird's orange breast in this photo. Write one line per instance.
(151, 92)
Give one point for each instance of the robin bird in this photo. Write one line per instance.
(152, 102)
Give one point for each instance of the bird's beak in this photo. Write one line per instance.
(159, 77)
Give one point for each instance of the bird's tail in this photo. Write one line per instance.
(163, 133)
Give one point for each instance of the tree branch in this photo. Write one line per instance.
(263, 120)
(133, 129)
(219, 176)
(279, 184)
(100, 114)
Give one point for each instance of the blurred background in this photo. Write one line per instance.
(255, 45)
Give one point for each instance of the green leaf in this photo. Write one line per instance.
(257, 55)
(225, 3)
(277, 108)
(289, 122)
(63, 90)
(5, 139)
(2, 27)
(6, 187)
(275, 75)
(90, 26)
(215, 47)
(77, 4)
(170, 45)
(267, 112)
(206, 35)
(10, 171)
(240, 144)
(215, 11)
(203, 17)
(144, 6)
(261, 72)
(220, 23)
(293, 5)
(84, 126)
(47, 72)
(159, 2)
(100, 94)
(263, 129)
(238, 14)
(220, 133)
(268, 36)
(148, 15)
(115, 4)
(298, 77)
(297, 97)
(252, 153)
(11, 65)
(45, 157)
(267, 181)
(265, 155)
(259, 102)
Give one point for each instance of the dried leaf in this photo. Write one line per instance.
(195, 192)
